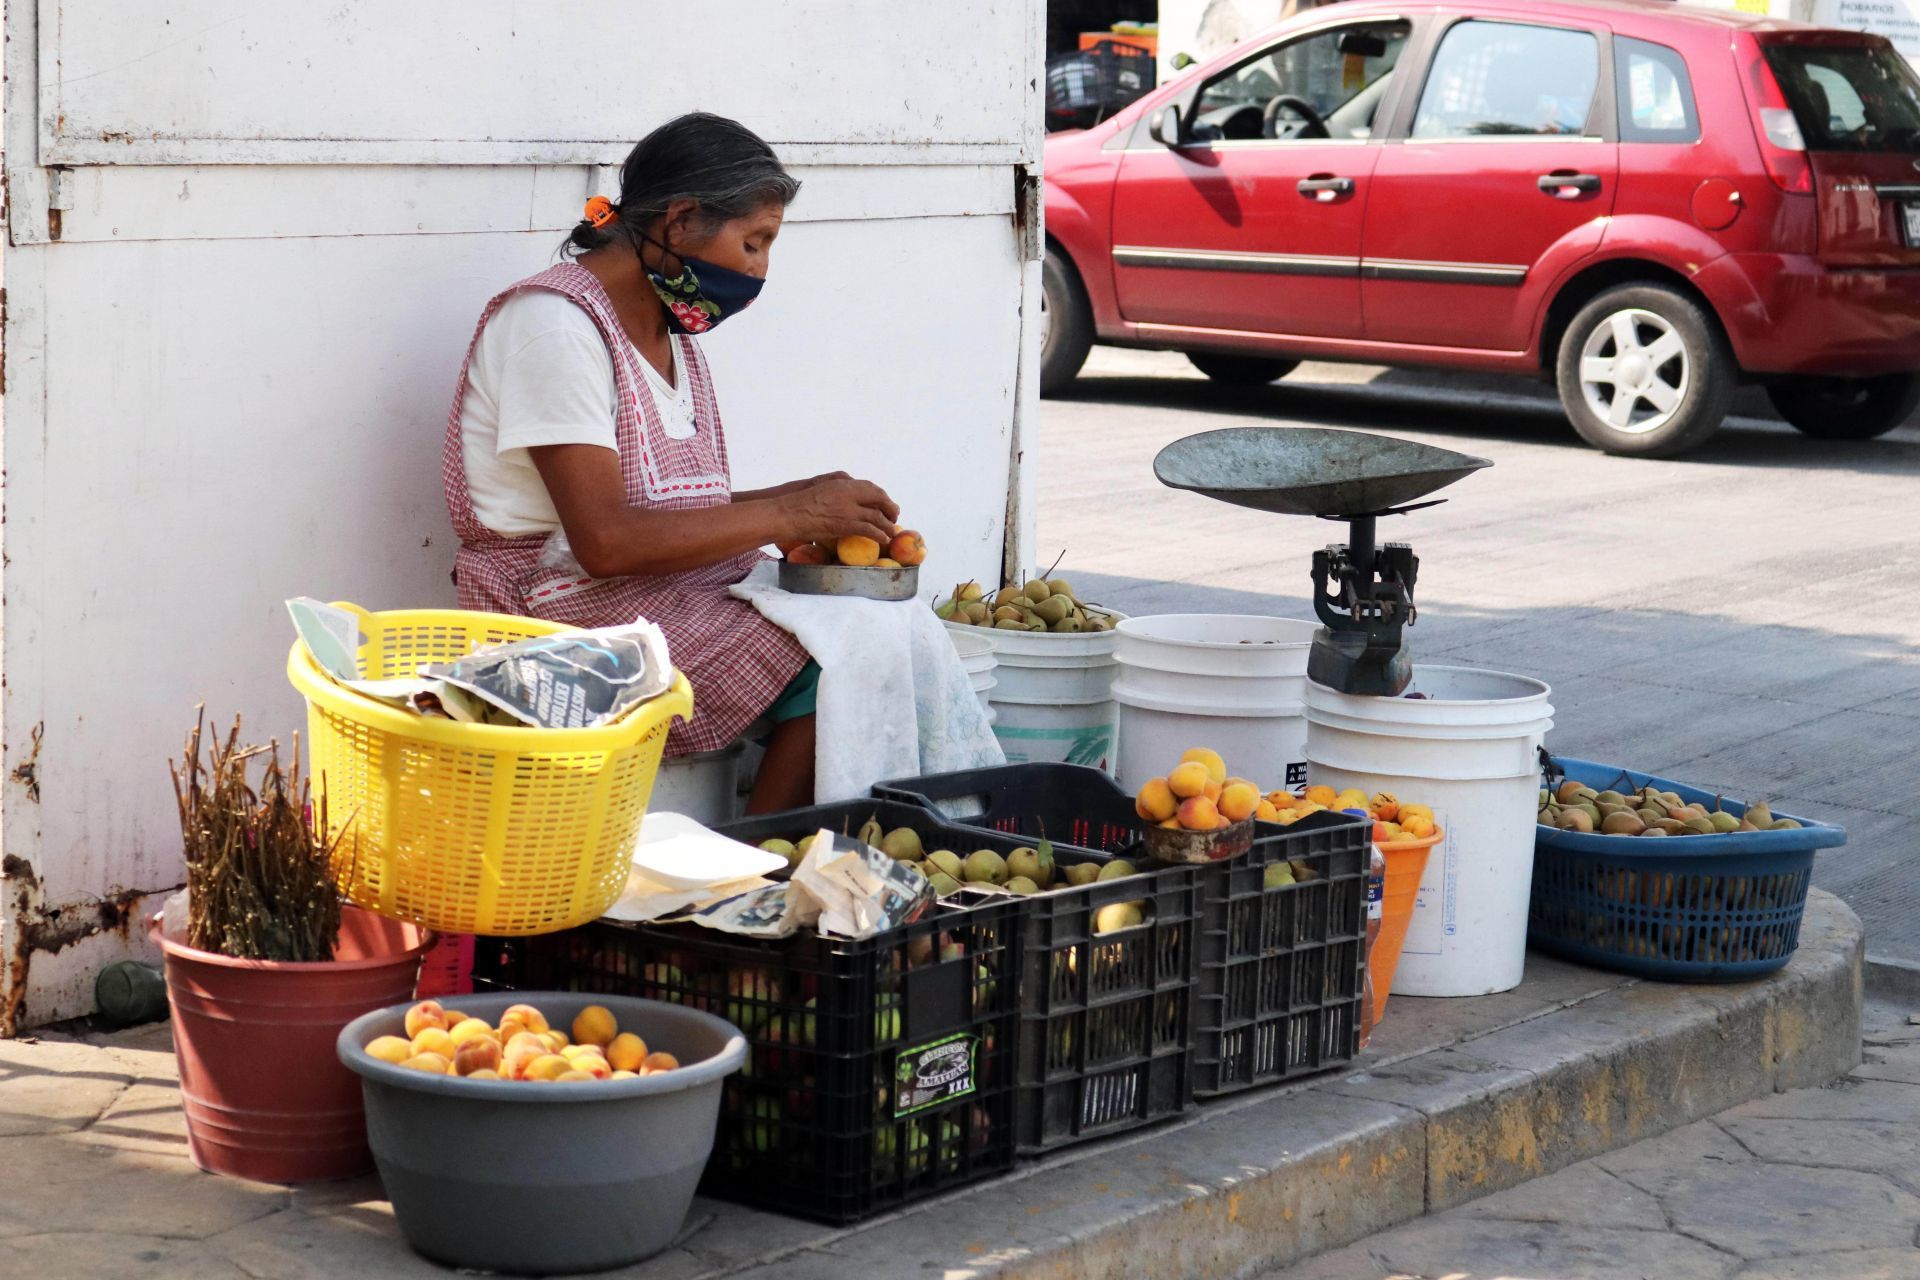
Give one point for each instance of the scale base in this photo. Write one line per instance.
(1357, 663)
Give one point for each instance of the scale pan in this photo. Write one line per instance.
(1310, 471)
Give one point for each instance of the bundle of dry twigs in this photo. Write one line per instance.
(257, 883)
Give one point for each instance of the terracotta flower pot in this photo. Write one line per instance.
(265, 1094)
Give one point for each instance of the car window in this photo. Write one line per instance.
(1341, 75)
(1495, 79)
(1850, 97)
(1654, 92)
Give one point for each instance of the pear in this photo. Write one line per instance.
(1783, 824)
(1021, 885)
(1008, 625)
(1061, 587)
(967, 591)
(1570, 791)
(1038, 590)
(1723, 821)
(1117, 915)
(1007, 595)
(1700, 826)
(986, 866)
(946, 609)
(1115, 870)
(1080, 873)
(871, 833)
(1007, 613)
(1053, 609)
(946, 860)
(902, 844)
(1650, 815)
(1575, 820)
(1277, 875)
(1610, 797)
(1066, 626)
(782, 847)
(1031, 864)
(1759, 814)
(943, 884)
(1622, 823)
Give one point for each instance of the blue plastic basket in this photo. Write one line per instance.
(1690, 909)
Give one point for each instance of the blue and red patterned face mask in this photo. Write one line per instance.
(701, 294)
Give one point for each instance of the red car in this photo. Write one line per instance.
(1646, 203)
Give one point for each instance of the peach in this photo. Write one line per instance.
(1210, 760)
(595, 1025)
(547, 1067)
(1156, 802)
(483, 1075)
(809, 553)
(908, 547)
(1189, 780)
(472, 1028)
(1265, 812)
(626, 1075)
(1282, 799)
(594, 1065)
(556, 1039)
(431, 1063)
(658, 1062)
(535, 1020)
(427, 1013)
(394, 1049)
(1171, 824)
(482, 1054)
(455, 1018)
(570, 1077)
(626, 1053)
(1198, 814)
(1239, 801)
(857, 550)
(521, 1052)
(572, 1051)
(434, 1040)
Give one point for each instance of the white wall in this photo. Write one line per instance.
(226, 383)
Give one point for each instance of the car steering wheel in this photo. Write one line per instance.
(1313, 125)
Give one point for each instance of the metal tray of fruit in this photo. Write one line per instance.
(871, 582)
(1777, 836)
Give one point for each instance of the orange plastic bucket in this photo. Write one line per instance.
(265, 1093)
(1406, 863)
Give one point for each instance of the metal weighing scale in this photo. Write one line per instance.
(1362, 591)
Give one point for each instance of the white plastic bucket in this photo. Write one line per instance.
(705, 787)
(1470, 749)
(1052, 700)
(976, 656)
(1231, 682)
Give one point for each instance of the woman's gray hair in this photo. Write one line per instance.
(727, 169)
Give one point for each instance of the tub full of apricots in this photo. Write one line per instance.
(536, 1132)
(855, 566)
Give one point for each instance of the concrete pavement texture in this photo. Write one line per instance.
(1813, 1184)
(1453, 1100)
(1742, 619)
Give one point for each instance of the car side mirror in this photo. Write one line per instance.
(1164, 128)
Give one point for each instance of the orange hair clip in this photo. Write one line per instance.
(600, 211)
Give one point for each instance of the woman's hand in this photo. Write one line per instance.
(840, 507)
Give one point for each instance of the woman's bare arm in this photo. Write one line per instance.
(611, 539)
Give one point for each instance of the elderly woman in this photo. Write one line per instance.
(585, 465)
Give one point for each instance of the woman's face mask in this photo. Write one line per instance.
(700, 294)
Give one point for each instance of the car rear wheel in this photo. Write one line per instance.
(1847, 408)
(1066, 324)
(1241, 371)
(1644, 371)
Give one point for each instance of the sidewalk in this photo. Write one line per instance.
(1816, 1184)
(1454, 1099)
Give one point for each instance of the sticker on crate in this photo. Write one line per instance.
(933, 1074)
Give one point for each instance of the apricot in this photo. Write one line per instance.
(1349, 799)
(1171, 824)
(483, 1075)
(1265, 812)
(1321, 795)
(908, 547)
(1210, 760)
(857, 550)
(1156, 801)
(394, 1049)
(555, 1038)
(532, 1018)
(1239, 801)
(434, 1040)
(627, 1052)
(1199, 814)
(808, 553)
(1385, 805)
(1189, 780)
(658, 1062)
(1212, 790)
(1384, 832)
(547, 1067)
(595, 1025)
(481, 1054)
(431, 1063)
(569, 1077)
(427, 1013)
(472, 1028)
(1418, 827)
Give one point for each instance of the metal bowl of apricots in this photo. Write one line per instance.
(856, 566)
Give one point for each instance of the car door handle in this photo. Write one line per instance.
(1325, 189)
(1569, 186)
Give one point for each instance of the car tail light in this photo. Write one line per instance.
(1783, 147)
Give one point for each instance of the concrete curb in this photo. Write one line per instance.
(1267, 1180)
(1893, 979)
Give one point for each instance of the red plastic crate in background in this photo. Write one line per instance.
(447, 968)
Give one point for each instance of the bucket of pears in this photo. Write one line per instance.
(1643, 875)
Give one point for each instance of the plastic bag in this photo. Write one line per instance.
(574, 680)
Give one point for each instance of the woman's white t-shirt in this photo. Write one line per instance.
(542, 375)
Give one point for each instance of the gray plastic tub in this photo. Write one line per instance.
(537, 1178)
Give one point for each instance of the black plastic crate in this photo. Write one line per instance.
(1107, 1019)
(1281, 970)
(821, 1122)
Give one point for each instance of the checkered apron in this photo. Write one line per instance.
(737, 661)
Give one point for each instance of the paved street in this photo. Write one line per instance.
(1816, 1184)
(1744, 618)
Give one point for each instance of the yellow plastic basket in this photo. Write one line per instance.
(475, 828)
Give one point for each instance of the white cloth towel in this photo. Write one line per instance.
(894, 699)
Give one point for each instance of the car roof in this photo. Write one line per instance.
(1659, 11)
